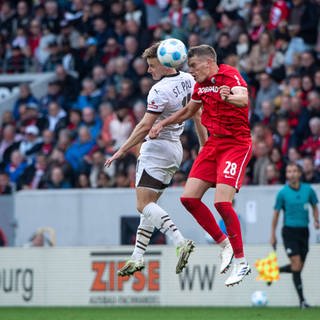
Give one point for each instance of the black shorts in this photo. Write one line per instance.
(296, 241)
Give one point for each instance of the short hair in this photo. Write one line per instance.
(202, 50)
(151, 52)
(294, 164)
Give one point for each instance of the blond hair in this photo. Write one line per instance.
(151, 52)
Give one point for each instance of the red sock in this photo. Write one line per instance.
(232, 223)
(204, 217)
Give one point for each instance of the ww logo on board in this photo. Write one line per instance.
(198, 276)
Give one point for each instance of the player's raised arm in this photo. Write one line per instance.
(183, 114)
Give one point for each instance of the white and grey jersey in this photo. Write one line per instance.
(166, 97)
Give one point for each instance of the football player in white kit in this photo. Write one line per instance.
(159, 159)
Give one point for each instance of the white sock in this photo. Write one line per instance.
(240, 260)
(224, 243)
(161, 220)
(143, 236)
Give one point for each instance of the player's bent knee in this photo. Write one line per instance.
(141, 206)
(190, 203)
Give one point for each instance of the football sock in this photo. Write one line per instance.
(240, 260)
(204, 217)
(161, 220)
(224, 243)
(232, 223)
(296, 277)
(285, 269)
(143, 236)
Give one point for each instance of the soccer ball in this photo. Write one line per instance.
(172, 53)
(259, 299)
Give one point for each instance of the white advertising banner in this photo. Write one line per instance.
(88, 276)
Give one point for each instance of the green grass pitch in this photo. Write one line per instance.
(159, 313)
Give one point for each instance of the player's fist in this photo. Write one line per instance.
(224, 92)
(155, 130)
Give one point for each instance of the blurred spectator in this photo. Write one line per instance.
(267, 92)
(279, 12)
(5, 187)
(117, 128)
(91, 121)
(54, 94)
(309, 174)
(35, 175)
(302, 25)
(83, 181)
(9, 142)
(261, 163)
(97, 166)
(55, 57)
(278, 165)
(272, 174)
(312, 143)
(294, 156)
(57, 180)
(57, 159)
(283, 138)
(56, 118)
(25, 97)
(30, 143)
(16, 166)
(103, 180)
(78, 149)
(261, 133)
(90, 96)
(69, 85)
(313, 103)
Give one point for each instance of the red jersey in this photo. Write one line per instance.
(218, 116)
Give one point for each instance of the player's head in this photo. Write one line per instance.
(293, 173)
(155, 68)
(202, 61)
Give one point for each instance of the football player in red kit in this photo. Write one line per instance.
(222, 94)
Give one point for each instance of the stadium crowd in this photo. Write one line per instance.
(61, 139)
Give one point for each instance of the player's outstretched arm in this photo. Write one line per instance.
(137, 136)
(183, 114)
(273, 240)
(238, 96)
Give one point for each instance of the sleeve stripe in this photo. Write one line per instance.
(154, 112)
(240, 87)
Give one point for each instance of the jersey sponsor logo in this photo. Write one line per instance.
(208, 89)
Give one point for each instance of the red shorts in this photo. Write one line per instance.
(222, 160)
